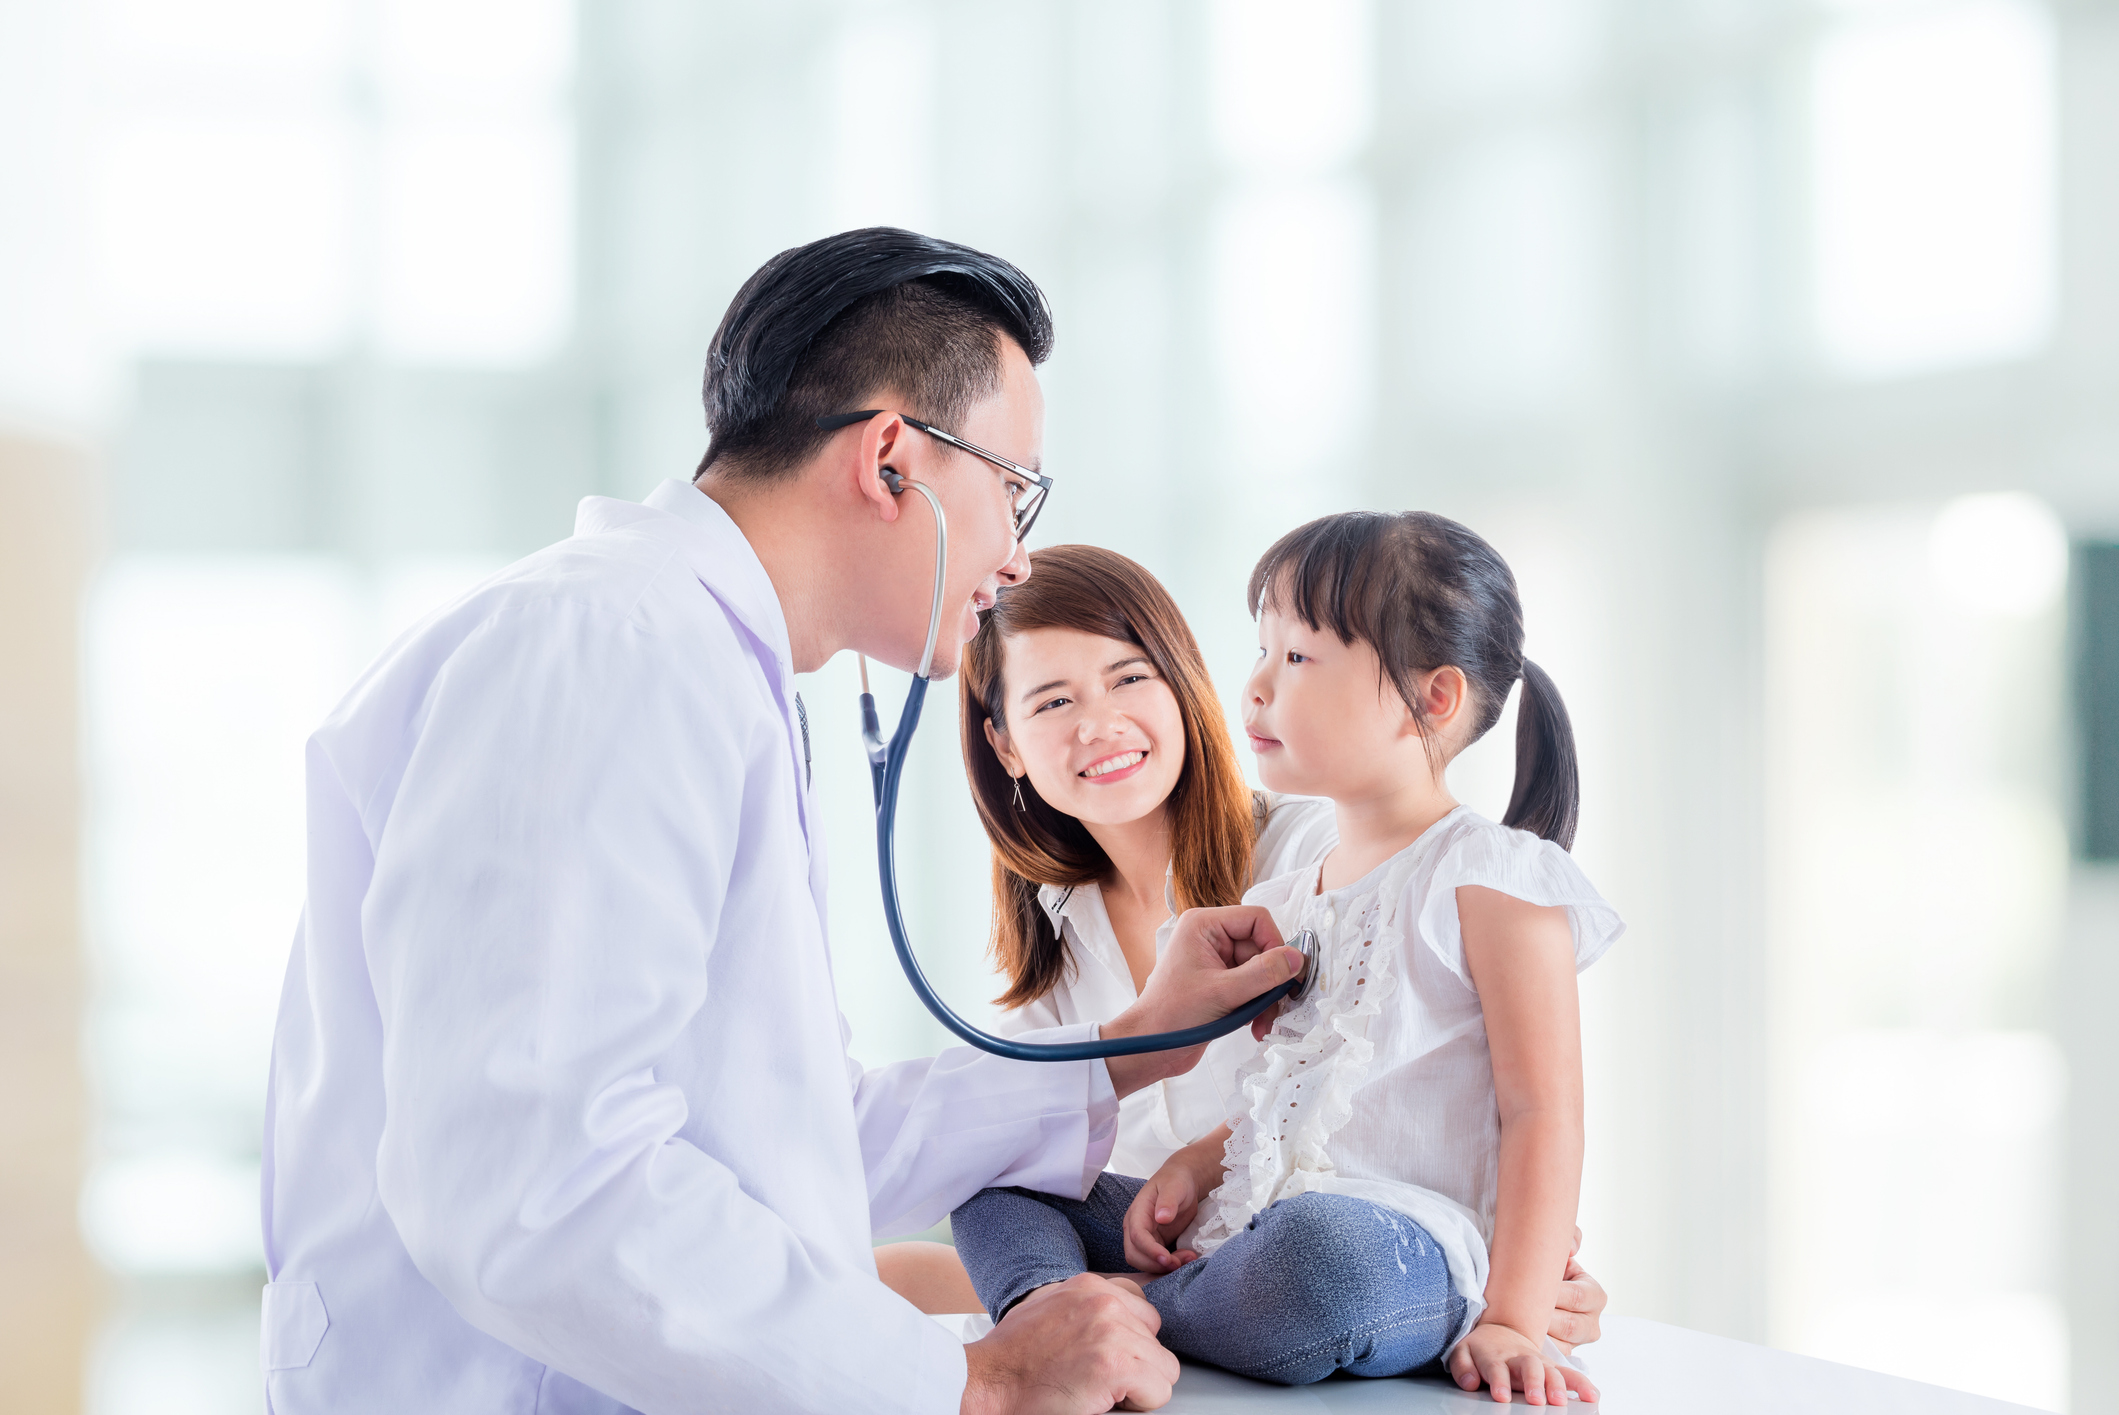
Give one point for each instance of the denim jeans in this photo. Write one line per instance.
(1314, 1284)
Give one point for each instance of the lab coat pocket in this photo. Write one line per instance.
(295, 1323)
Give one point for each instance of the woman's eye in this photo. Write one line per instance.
(1131, 678)
(1054, 702)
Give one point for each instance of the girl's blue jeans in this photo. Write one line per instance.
(1314, 1284)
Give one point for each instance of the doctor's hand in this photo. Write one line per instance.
(1073, 1348)
(1216, 961)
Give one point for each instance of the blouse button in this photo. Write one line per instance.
(1331, 917)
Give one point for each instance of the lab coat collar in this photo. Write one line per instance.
(715, 547)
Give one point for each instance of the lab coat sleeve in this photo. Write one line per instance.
(936, 1131)
(538, 928)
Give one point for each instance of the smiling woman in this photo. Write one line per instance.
(1089, 690)
(1107, 781)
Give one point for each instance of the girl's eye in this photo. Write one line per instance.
(1294, 657)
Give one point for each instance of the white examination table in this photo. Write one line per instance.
(1640, 1367)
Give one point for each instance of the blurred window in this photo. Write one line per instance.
(1505, 271)
(281, 180)
(1933, 155)
(1918, 876)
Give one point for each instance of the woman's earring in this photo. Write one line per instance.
(1019, 795)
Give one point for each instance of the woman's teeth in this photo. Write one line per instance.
(1115, 764)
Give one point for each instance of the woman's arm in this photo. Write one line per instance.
(1522, 960)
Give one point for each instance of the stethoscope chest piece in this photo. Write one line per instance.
(1311, 948)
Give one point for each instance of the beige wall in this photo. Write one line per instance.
(48, 1287)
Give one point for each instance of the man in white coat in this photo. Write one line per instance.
(561, 1115)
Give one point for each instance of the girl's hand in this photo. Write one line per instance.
(1506, 1361)
(1159, 1212)
(1263, 1022)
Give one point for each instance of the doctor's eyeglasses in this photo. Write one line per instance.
(1028, 498)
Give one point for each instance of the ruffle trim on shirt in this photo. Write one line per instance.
(1325, 1040)
(1524, 866)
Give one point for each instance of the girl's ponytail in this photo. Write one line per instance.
(1548, 790)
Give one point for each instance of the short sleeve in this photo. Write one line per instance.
(1526, 867)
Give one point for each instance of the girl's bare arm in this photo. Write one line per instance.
(1521, 959)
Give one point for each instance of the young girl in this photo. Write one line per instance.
(1399, 1175)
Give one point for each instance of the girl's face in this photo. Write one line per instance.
(1321, 716)
(1091, 722)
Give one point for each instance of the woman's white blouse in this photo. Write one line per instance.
(1156, 1122)
(1379, 1085)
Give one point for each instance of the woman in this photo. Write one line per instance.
(1106, 779)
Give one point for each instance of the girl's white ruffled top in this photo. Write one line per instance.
(1378, 1084)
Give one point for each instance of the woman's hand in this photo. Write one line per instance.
(1577, 1312)
(1507, 1361)
(1166, 1204)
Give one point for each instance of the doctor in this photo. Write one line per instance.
(561, 1117)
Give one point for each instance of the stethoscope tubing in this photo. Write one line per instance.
(886, 769)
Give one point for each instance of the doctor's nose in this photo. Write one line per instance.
(1017, 569)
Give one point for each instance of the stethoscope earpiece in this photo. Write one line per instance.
(893, 480)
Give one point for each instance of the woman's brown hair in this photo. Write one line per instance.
(1096, 591)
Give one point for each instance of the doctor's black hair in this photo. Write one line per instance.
(1425, 592)
(822, 327)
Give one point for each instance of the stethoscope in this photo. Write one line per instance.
(886, 765)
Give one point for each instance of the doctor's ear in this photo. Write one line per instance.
(997, 739)
(877, 482)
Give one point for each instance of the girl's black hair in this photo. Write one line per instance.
(1427, 593)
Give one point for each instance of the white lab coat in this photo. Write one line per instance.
(561, 1116)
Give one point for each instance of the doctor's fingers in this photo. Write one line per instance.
(1148, 1384)
(1128, 1367)
(1095, 1304)
(1235, 932)
(1242, 983)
